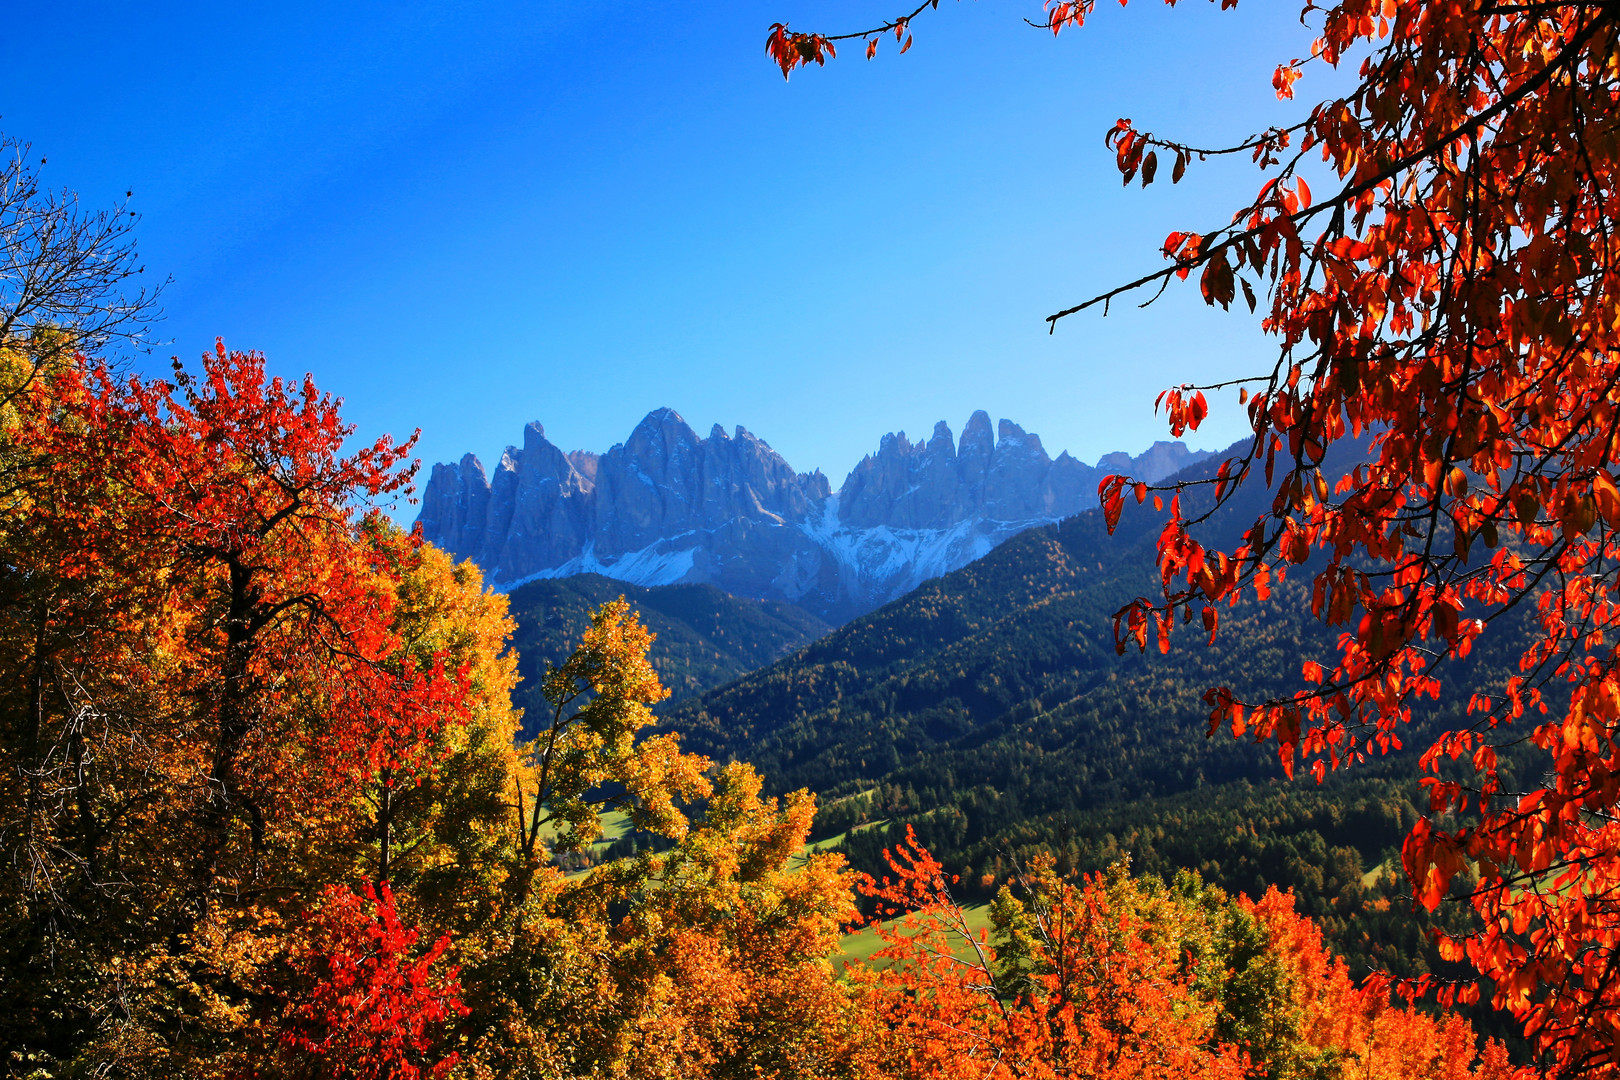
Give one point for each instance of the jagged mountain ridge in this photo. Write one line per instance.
(667, 506)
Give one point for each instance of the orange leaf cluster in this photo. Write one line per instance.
(1108, 1000)
(1106, 977)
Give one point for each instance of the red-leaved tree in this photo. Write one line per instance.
(226, 500)
(222, 714)
(377, 1007)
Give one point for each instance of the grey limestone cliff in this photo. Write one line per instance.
(668, 506)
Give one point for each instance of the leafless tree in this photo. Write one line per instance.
(69, 277)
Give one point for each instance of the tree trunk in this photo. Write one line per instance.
(233, 724)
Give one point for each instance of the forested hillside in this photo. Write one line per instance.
(705, 637)
(991, 708)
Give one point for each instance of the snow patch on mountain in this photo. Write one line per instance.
(655, 564)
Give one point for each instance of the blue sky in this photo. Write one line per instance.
(462, 217)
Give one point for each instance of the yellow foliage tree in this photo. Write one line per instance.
(706, 953)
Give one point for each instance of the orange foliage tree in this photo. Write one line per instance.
(263, 806)
(1113, 977)
(1100, 994)
(704, 952)
(231, 496)
(203, 668)
(1450, 302)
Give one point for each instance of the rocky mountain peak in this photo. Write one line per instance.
(1007, 477)
(668, 506)
(977, 438)
(1158, 461)
(584, 463)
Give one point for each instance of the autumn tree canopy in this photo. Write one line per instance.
(264, 804)
(1133, 979)
(265, 811)
(1451, 301)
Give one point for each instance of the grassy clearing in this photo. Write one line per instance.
(857, 948)
(614, 824)
(831, 842)
(1370, 878)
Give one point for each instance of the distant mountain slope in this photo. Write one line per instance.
(705, 637)
(667, 506)
(1003, 674)
(991, 701)
(989, 710)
